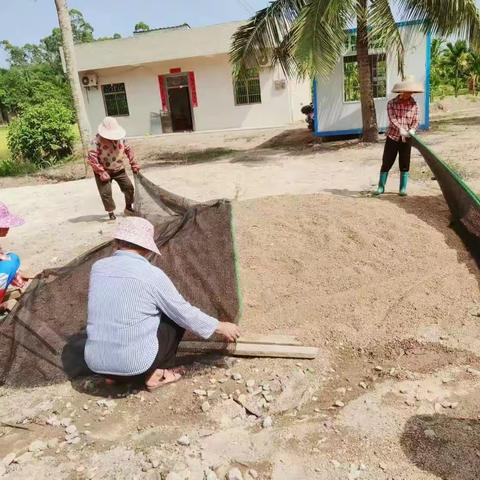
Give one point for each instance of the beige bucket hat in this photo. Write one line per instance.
(111, 129)
(138, 231)
(409, 85)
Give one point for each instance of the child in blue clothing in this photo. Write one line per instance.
(9, 262)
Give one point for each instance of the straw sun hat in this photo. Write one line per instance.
(409, 85)
(138, 231)
(110, 129)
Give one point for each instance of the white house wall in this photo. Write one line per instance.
(216, 104)
(337, 116)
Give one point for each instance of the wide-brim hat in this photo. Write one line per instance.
(7, 219)
(138, 231)
(111, 129)
(409, 85)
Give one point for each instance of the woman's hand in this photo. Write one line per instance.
(104, 177)
(229, 331)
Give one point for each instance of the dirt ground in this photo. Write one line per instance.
(384, 287)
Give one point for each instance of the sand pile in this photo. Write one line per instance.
(358, 271)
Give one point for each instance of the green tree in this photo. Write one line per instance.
(308, 37)
(141, 27)
(455, 60)
(473, 71)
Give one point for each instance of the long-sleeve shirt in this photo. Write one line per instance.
(127, 297)
(108, 155)
(401, 114)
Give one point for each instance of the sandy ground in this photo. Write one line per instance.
(383, 286)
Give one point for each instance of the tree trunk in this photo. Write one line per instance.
(72, 74)
(369, 115)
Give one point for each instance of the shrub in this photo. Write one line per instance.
(42, 134)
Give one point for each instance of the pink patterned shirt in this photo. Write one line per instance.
(401, 114)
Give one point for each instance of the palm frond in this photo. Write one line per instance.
(385, 30)
(265, 37)
(445, 17)
(319, 34)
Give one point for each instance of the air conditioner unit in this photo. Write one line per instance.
(90, 79)
(280, 84)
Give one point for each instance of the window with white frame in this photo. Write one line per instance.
(351, 81)
(247, 89)
(115, 99)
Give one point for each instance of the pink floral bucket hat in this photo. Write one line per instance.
(7, 219)
(138, 231)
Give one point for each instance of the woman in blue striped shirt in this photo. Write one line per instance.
(136, 316)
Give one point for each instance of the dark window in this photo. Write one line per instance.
(115, 98)
(247, 90)
(351, 82)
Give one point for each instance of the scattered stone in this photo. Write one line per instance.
(339, 404)
(410, 402)
(341, 391)
(85, 407)
(53, 421)
(53, 443)
(336, 463)
(454, 405)
(213, 381)
(383, 467)
(200, 392)
(236, 376)
(8, 459)
(378, 368)
(174, 476)
(210, 475)
(430, 434)
(267, 422)
(265, 387)
(68, 405)
(184, 440)
(392, 371)
(37, 446)
(224, 396)
(205, 407)
(253, 473)
(80, 469)
(470, 370)
(250, 383)
(403, 391)
(211, 393)
(438, 407)
(71, 429)
(65, 422)
(317, 410)
(26, 457)
(446, 404)
(363, 385)
(234, 474)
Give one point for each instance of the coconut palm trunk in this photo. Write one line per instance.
(369, 115)
(72, 73)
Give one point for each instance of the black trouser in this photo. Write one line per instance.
(169, 335)
(404, 150)
(105, 189)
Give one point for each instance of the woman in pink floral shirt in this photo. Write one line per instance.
(106, 156)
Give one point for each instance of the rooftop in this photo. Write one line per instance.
(156, 46)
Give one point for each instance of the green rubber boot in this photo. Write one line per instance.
(381, 183)
(403, 184)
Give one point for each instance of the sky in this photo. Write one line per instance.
(27, 21)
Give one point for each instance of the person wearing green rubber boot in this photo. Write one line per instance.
(403, 122)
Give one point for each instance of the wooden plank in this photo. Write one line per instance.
(270, 339)
(253, 338)
(250, 349)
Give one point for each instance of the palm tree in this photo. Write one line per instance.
(308, 37)
(437, 70)
(72, 73)
(456, 59)
(474, 71)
